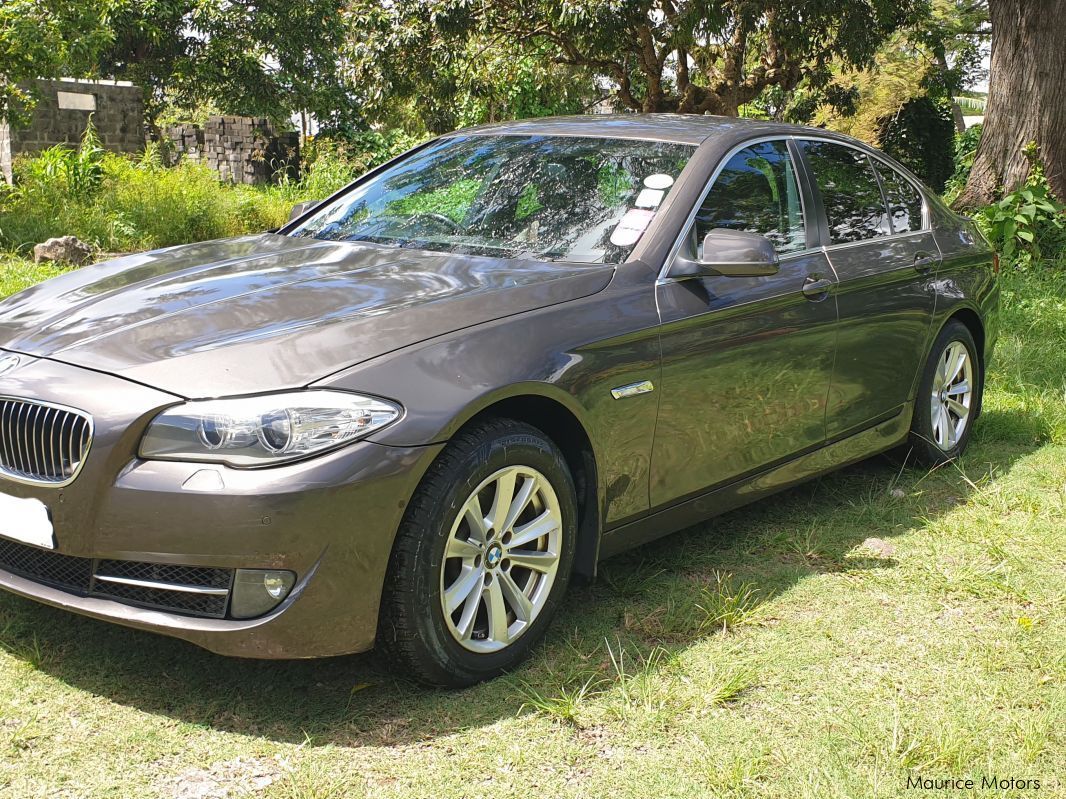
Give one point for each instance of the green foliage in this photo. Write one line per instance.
(528, 202)
(69, 173)
(268, 58)
(121, 204)
(801, 104)
(134, 205)
(502, 81)
(878, 92)
(428, 70)
(921, 136)
(358, 150)
(954, 35)
(454, 201)
(330, 162)
(683, 56)
(965, 152)
(46, 39)
(1029, 223)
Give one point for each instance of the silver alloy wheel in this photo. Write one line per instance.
(500, 564)
(952, 395)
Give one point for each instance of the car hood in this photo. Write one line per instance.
(268, 312)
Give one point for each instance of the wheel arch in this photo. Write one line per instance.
(969, 317)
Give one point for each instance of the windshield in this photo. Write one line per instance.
(544, 197)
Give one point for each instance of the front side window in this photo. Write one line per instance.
(904, 201)
(852, 199)
(543, 197)
(756, 192)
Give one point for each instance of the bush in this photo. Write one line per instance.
(70, 172)
(130, 205)
(965, 152)
(325, 170)
(118, 204)
(921, 136)
(1028, 224)
(331, 162)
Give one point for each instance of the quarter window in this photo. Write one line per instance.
(852, 199)
(904, 201)
(756, 192)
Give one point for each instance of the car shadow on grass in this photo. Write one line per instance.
(660, 598)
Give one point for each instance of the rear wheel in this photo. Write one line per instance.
(483, 556)
(949, 397)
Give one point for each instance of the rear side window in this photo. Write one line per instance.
(904, 201)
(756, 192)
(853, 203)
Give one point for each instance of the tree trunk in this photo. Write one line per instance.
(956, 111)
(957, 116)
(1026, 100)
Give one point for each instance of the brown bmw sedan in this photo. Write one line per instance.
(410, 416)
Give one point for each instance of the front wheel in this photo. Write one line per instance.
(949, 397)
(483, 556)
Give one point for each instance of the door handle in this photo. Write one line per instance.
(923, 261)
(816, 288)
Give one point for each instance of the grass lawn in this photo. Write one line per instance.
(769, 653)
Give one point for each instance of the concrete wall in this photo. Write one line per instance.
(62, 111)
(239, 149)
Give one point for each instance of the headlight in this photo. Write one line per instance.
(264, 430)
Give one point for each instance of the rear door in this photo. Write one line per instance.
(746, 361)
(877, 238)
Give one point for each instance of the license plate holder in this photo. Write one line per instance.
(26, 521)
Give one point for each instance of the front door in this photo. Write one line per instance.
(746, 361)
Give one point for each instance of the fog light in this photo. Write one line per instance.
(258, 591)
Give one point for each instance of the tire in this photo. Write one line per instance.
(933, 441)
(440, 551)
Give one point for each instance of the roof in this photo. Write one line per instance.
(678, 128)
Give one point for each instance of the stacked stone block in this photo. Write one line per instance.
(186, 143)
(240, 149)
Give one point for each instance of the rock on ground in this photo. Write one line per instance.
(66, 249)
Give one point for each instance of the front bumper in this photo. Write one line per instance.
(330, 520)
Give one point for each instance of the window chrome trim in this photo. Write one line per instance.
(845, 245)
(722, 162)
(87, 417)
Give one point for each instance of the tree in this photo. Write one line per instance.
(1026, 100)
(46, 39)
(953, 35)
(426, 72)
(685, 55)
(149, 41)
(268, 58)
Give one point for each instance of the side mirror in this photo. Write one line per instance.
(302, 208)
(732, 253)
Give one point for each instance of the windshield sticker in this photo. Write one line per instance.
(650, 198)
(658, 181)
(630, 227)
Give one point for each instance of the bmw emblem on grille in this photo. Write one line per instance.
(8, 363)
